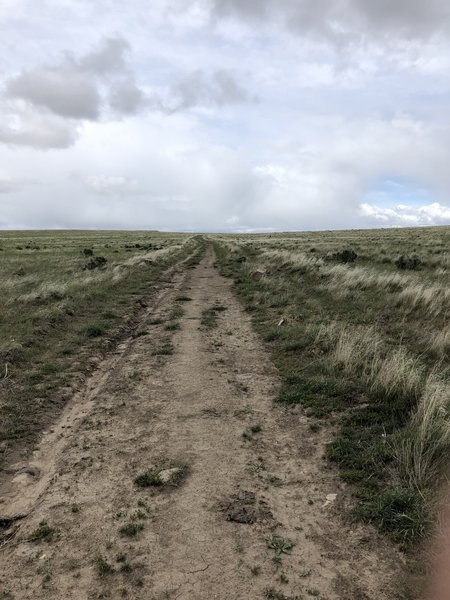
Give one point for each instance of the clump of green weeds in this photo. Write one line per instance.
(131, 529)
(176, 313)
(274, 480)
(209, 316)
(96, 330)
(279, 545)
(164, 350)
(102, 566)
(43, 533)
(156, 321)
(135, 375)
(150, 478)
(250, 431)
(399, 512)
(273, 594)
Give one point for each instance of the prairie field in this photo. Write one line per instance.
(206, 416)
(358, 326)
(64, 295)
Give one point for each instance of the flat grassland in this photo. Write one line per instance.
(64, 296)
(142, 453)
(358, 325)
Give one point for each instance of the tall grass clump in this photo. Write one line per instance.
(293, 260)
(435, 299)
(396, 375)
(440, 343)
(344, 279)
(422, 449)
(360, 352)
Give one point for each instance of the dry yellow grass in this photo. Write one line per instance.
(423, 449)
(440, 342)
(360, 352)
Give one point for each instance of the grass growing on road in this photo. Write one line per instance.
(210, 316)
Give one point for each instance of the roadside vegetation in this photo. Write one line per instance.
(67, 297)
(357, 323)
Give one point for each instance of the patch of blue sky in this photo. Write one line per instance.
(391, 191)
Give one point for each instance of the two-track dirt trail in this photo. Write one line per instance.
(208, 536)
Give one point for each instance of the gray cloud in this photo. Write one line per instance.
(217, 89)
(343, 21)
(48, 104)
(197, 89)
(108, 58)
(127, 98)
(67, 94)
(71, 88)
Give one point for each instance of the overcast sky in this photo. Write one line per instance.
(231, 115)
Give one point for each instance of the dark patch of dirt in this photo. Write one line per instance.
(243, 507)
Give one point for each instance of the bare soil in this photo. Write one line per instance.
(207, 534)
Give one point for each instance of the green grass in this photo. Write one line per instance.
(131, 529)
(173, 326)
(43, 533)
(96, 330)
(250, 431)
(150, 478)
(279, 545)
(176, 313)
(274, 594)
(356, 349)
(165, 350)
(102, 566)
(156, 321)
(399, 512)
(56, 313)
(210, 315)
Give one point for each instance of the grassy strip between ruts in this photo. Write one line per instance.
(340, 363)
(50, 339)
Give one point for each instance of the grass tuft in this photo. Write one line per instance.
(102, 566)
(150, 478)
(43, 533)
(131, 529)
(165, 350)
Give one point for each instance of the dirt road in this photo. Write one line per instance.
(254, 511)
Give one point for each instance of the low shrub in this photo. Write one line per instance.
(96, 262)
(410, 263)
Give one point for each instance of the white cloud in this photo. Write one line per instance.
(115, 185)
(8, 185)
(23, 126)
(431, 214)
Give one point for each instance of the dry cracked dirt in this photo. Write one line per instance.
(239, 502)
